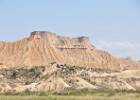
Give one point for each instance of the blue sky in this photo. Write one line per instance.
(112, 25)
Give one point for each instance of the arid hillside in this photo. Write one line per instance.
(42, 48)
(58, 78)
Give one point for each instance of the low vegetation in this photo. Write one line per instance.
(84, 94)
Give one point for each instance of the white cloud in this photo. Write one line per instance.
(117, 45)
(120, 48)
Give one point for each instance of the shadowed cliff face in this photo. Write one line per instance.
(42, 48)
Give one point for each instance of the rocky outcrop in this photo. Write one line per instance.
(63, 77)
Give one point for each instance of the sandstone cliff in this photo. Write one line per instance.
(42, 48)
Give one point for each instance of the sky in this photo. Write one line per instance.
(112, 25)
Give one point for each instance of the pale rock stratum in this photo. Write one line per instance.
(48, 62)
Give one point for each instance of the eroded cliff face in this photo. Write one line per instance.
(42, 48)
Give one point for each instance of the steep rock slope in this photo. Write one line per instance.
(42, 48)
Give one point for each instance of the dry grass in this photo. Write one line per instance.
(87, 97)
(75, 95)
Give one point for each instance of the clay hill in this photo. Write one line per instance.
(48, 62)
(42, 48)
